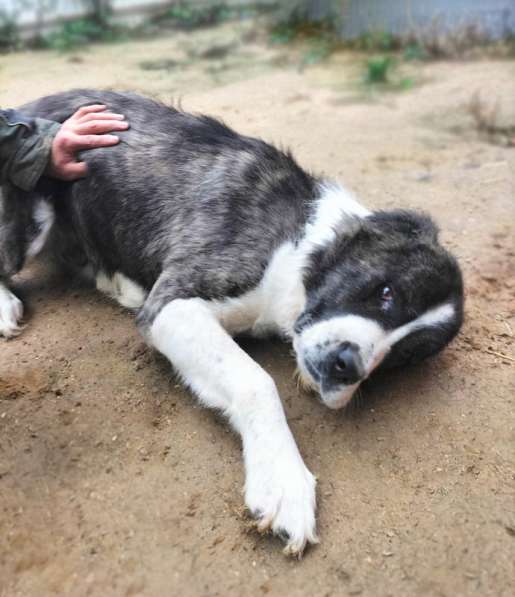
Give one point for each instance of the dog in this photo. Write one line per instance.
(207, 234)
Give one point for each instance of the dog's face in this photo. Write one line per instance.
(383, 292)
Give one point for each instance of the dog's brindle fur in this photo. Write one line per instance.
(204, 229)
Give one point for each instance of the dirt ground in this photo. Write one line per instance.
(113, 482)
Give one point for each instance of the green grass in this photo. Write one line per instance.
(319, 39)
(376, 41)
(9, 34)
(378, 69)
(317, 52)
(510, 43)
(81, 32)
(301, 29)
(381, 72)
(188, 17)
(414, 51)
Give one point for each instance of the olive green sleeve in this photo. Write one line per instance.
(25, 145)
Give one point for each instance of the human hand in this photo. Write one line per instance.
(84, 130)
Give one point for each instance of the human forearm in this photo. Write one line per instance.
(25, 148)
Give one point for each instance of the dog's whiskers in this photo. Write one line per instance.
(356, 403)
(303, 385)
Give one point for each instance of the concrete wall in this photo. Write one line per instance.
(494, 17)
(30, 14)
(42, 15)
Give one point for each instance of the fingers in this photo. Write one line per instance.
(96, 127)
(78, 142)
(95, 112)
(86, 129)
(87, 110)
(100, 116)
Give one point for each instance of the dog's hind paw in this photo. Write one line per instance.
(11, 313)
(282, 500)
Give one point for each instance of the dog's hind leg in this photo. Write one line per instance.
(279, 489)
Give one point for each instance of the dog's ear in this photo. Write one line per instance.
(411, 224)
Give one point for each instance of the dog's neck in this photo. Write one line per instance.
(284, 295)
(335, 207)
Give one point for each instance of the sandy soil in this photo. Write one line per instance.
(114, 483)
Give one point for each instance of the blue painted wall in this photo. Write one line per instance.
(494, 17)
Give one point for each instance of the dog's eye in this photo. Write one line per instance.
(386, 294)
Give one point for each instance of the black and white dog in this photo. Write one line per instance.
(209, 234)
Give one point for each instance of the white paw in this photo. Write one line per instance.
(281, 496)
(11, 313)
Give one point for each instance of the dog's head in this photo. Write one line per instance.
(384, 293)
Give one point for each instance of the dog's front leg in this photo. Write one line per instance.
(11, 312)
(279, 489)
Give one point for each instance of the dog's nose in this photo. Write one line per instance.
(347, 366)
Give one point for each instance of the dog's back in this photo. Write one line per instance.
(183, 192)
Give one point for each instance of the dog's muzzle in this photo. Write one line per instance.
(340, 367)
(344, 365)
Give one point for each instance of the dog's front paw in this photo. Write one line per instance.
(11, 313)
(281, 496)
